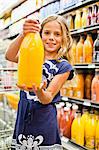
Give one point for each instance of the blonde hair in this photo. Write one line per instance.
(66, 40)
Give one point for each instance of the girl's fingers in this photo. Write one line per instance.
(31, 21)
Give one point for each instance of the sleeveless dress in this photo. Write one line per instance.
(36, 124)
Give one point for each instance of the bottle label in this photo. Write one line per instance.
(90, 142)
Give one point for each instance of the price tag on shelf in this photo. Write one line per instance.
(91, 66)
(64, 98)
(86, 103)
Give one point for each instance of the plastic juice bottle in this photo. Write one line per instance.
(62, 119)
(90, 130)
(87, 86)
(73, 52)
(96, 50)
(87, 50)
(77, 130)
(97, 137)
(94, 15)
(89, 16)
(30, 61)
(90, 39)
(78, 20)
(73, 112)
(67, 130)
(79, 87)
(95, 86)
(84, 17)
(85, 116)
(79, 51)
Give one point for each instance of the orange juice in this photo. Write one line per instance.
(85, 116)
(78, 20)
(97, 137)
(30, 61)
(90, 130)
(84, 17)
(95, 86)
(87, 50)
(77, 130)
(73, 52)
(78, 88)
(79, 51)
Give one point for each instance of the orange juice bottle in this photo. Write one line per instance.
(79, 86)
(87, 50)
(90, 130)
(85, 116)
(73, 52)
(84, 17)
(78, 20)
(90, 39)
(97, 137)
(30, 61)
(77, 130)
(95, 86)
(79, 50)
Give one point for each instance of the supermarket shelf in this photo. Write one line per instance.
(85, 29)
(77, 6)
(9, 8)
(84, 102)
(70, 145)
(86, 66)
(8, 69)
(8, 90)
(30, 13)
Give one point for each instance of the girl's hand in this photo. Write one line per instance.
(31, 26)
(34, 89)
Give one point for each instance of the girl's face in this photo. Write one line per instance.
(52, 36)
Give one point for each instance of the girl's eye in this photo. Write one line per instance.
(46, 32)
(57, 34)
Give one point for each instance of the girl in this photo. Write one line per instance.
(36, 123)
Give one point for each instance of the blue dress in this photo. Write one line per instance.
(36, 124)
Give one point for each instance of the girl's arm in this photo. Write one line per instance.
(46, 96)
(13, 49)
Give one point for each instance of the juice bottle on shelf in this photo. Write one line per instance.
(95, 86)
(62, 119)
(73, 112)
(85, 116)
(94, 14)
(70, 20)
(90, 39)
(96, 50)
(87, 50)
(90, 130)
(97, 137)
(79, 50)
(79, 86)
(67, 130)
(98, 14)
(77, 130)
(84, 17)
(87, 86)
(89, 16)
(78, 19)
(73, 52)
(30, 61)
